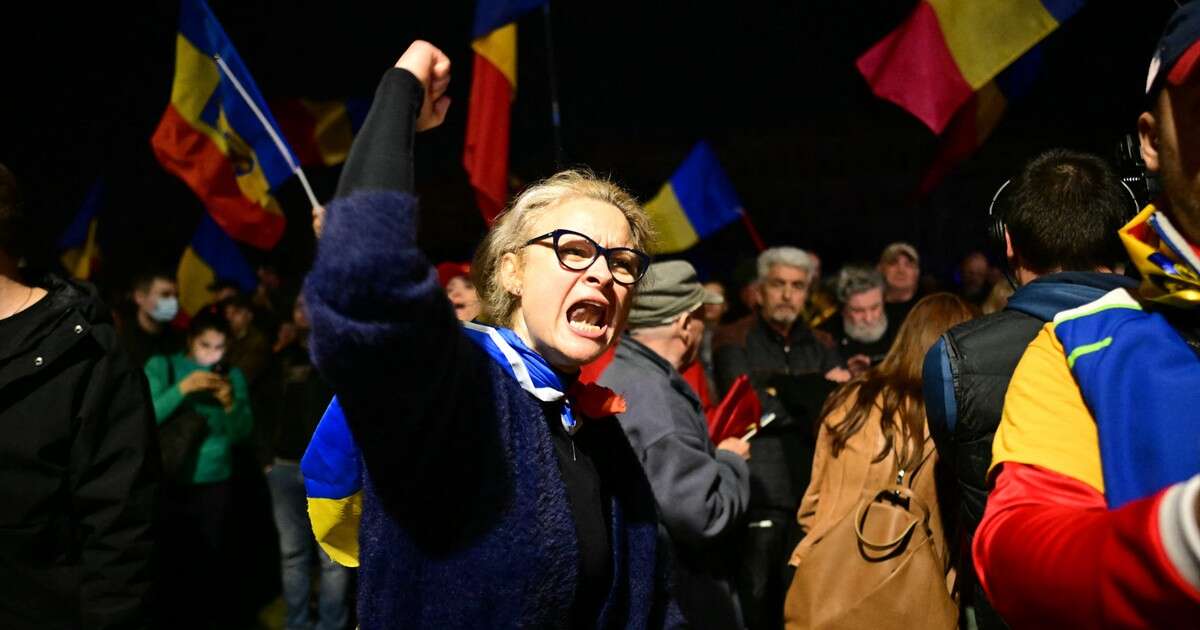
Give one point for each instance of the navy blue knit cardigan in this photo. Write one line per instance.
(466, 521)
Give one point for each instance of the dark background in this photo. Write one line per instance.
(817, 160)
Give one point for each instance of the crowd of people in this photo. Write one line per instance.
(530, 434)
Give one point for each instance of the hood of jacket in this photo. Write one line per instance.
(1053, 293)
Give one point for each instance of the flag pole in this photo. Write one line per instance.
(758, 242)
(279, 143)
(560, 157)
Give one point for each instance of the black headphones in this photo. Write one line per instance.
(996, 237)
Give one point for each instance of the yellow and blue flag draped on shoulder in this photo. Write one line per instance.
(332, 468)
(697, 201)
(79, 243)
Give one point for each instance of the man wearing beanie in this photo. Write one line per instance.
(1093, 520)
(702, 490)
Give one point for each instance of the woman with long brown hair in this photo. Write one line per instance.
(872, 432)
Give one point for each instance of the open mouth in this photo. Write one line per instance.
(588, 318)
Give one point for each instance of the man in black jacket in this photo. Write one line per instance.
(792, 373)
(79, 460)
(1060, 217)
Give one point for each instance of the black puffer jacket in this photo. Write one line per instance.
(79, 468)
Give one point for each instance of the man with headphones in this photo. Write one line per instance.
(1056, 226)
(1094, 514)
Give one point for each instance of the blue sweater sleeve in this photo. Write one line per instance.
(384, 335)
(941, 407)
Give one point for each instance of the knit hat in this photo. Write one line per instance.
(669, 289)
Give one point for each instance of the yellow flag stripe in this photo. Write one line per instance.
(984, 37)
(194, 277)
(335, 525)
(331, 129)
(500, 48)
(675, 232)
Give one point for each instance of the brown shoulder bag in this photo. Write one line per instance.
(877, 568)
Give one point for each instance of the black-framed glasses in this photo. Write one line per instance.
(577, 252)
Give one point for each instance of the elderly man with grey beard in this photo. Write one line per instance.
(863, 334)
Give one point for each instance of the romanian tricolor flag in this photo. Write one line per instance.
(217, 134)
(79, 245)
(211, 256)
(320, 132)
(948, 50)
(976, 120)
(697, 201)
(493, 85)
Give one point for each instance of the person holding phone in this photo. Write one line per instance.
(197, 503)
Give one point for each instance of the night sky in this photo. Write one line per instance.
(817, 160)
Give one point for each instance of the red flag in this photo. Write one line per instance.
(738, 413)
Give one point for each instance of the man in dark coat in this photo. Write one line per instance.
(79, 462)
(702, 490)
(968, 370)
(792, 373)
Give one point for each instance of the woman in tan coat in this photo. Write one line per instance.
(872, 427)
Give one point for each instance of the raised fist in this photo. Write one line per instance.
(432, 68)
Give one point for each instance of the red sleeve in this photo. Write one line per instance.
(1050, 553)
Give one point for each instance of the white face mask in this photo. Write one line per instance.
(165, 309)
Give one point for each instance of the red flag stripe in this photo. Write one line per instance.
(486, 154)
(912, 67)
(300, 128)
(192, 156)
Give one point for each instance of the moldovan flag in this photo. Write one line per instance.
(211, 256)
(79, 246)
(217, 134)
(320, 132)
(697, 201)
(493, 85)
(947, 50)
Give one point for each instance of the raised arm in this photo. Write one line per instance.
(373, 297)
(411, 97)
(384, 335)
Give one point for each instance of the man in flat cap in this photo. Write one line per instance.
(702, 489)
